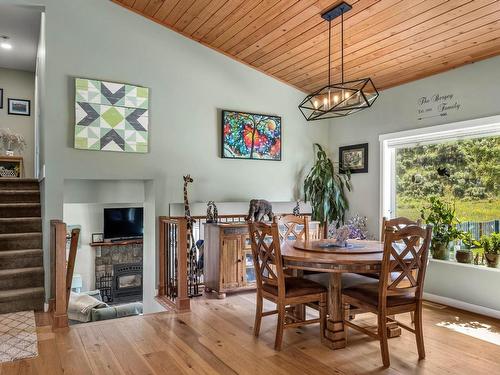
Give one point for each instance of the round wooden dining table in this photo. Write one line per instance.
(359, 256)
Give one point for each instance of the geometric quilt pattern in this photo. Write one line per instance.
(111, 116)
(18, 338)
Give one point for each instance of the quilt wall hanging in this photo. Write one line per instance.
(111, 116)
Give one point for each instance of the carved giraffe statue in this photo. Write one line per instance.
(193, 268)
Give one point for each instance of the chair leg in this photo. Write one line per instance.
(280, 326)
(258, 315)
(419, 334)
(382, 331)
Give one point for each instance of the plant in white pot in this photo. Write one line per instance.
(12, 142)
(325, 187)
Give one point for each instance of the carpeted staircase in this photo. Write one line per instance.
(21, 256)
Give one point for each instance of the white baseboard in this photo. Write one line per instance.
(462, 305)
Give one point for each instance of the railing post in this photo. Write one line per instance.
(182, 301)
(161, 256)
(58, 232)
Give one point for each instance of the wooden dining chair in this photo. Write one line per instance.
(396, 223)
(274, 286)
(293, 228)
(399, 289)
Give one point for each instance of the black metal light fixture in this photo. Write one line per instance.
(343, 98)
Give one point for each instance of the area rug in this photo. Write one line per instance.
(18, 338)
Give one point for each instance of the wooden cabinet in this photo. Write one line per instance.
(228, 261)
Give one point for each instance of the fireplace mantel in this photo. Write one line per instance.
(117, 243)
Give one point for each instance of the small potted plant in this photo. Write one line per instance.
(465, 255)
(442, 216)
(491, 247)
(12, 141)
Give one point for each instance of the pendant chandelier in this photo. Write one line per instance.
(343, 98)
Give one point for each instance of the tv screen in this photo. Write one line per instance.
(123, 223)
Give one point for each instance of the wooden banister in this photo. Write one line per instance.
(173, 272)
(75, 236)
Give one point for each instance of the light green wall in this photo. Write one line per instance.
(17, 84)
(477, 88)
(189, 84)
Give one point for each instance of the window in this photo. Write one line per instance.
(458, 162)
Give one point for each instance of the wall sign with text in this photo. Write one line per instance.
(437, 105)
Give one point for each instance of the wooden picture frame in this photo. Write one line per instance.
(233, 136)
(354, 158)
(19, 107)
(11, 167)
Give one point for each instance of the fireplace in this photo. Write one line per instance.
(127, 280)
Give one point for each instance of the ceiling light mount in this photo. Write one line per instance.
(342, 98)
(4, 42)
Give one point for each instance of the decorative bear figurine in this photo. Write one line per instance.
(259, 208)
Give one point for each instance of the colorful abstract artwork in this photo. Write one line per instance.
(251, 136)
(111, 116)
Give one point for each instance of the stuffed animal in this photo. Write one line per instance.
(258, 209)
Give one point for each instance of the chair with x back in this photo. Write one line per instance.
(292, 227)
(274, 286)
(400, 287)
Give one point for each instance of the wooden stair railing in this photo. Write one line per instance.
(173, 263)
(61, 271)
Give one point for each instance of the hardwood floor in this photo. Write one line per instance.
(216, 338)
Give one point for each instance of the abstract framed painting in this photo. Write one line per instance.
(251, 136)
(354, 158)
(111, 116)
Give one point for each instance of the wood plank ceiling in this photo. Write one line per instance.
(391, 41)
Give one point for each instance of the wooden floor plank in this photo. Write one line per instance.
(216, 338)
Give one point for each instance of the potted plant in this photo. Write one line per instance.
(325, 188)
(442, 216)
(465, 255)
(491, 247)
(11, 141)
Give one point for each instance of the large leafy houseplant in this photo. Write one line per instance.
(442, 216)
(325, 188)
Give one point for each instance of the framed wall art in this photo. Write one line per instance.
(251, 136)
(354, 158)
(111, 116)
(19, 107)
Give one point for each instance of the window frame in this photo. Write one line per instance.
(389, 143)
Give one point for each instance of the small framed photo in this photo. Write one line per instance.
(1, 98)
(354, 158)
(97, 237)
(20, 107)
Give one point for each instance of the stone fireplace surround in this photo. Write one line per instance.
(108, 256)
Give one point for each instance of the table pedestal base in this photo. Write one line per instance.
(334, 335)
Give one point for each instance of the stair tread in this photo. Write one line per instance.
(23, 252)
(25, 218)
(20, 271)
(19, 191)
(6, 294)
(29, 204)
(17, 179)
(17, 235)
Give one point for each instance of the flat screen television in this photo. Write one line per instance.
(123, 223)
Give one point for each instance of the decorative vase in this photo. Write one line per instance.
(440, 251)
(464, 256)
(492, 260)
